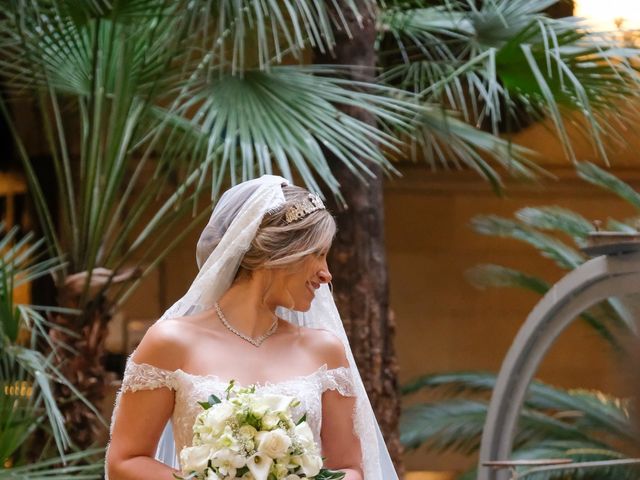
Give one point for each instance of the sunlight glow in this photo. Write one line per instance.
(602, 14)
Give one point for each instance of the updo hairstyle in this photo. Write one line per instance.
(279, 244)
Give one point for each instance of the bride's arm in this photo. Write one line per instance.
(141, 415)
(340, 445)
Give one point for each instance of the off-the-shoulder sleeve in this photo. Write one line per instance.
(142, 376)
(340, 379)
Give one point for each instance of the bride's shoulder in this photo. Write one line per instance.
(326, 345)
(164, 345)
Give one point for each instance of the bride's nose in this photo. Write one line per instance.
(324, 275)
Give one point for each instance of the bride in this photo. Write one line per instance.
(260, 312)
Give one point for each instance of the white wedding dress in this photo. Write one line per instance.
(190, 389)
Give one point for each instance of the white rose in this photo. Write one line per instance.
(274, 444)
(305, 435)
(217, 416)
(311, 465)
(292, 477)
(270, 421)
(247, 432)
(195, 458)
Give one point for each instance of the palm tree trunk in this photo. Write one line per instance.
(358, 255)
(84, 368)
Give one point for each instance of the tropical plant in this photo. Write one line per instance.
(28, 406)
(147, 107)
(584, 426)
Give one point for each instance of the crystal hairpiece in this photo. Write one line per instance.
(303, 208)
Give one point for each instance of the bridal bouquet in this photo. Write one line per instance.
(253, 437)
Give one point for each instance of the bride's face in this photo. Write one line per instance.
(297, 284)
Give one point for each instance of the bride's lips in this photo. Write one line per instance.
(312, 286)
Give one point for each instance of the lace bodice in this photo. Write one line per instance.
(190, 389)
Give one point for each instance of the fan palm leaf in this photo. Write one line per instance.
(183, 117)
(442, 139)
(494, 61)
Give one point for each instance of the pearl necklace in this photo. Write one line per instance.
(253, 341)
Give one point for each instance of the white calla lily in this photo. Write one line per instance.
(259, 466)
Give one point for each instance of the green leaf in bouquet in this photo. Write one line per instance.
(190, 476)
(211, 401)
(229, 388)
(303, 419)
(325, 474)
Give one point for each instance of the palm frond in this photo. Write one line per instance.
(489, 275)
(284, 118)
(26, 375)
(591, 411)
(506, 58)
(78, 466)
(443, 140)
(492, 276)
(557, 219)
(272, 28)
(45, 48)
(601, 178)
(579, 453)
(456, 425)
(624, 226)
(563, 255)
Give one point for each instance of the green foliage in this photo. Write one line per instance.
(190, 93)
(147, 107)
(27, 402)
(142, 113)
(555, 423)
(505, 58)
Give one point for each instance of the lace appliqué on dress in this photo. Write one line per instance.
(142, 376)
(339, 379)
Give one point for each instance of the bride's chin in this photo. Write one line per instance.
(301, 308)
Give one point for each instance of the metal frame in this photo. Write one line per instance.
(596, 280)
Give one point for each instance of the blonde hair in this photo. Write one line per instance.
(279, 244)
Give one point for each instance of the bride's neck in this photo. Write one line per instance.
(244, 306)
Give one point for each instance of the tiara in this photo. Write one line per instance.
(303, 208)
